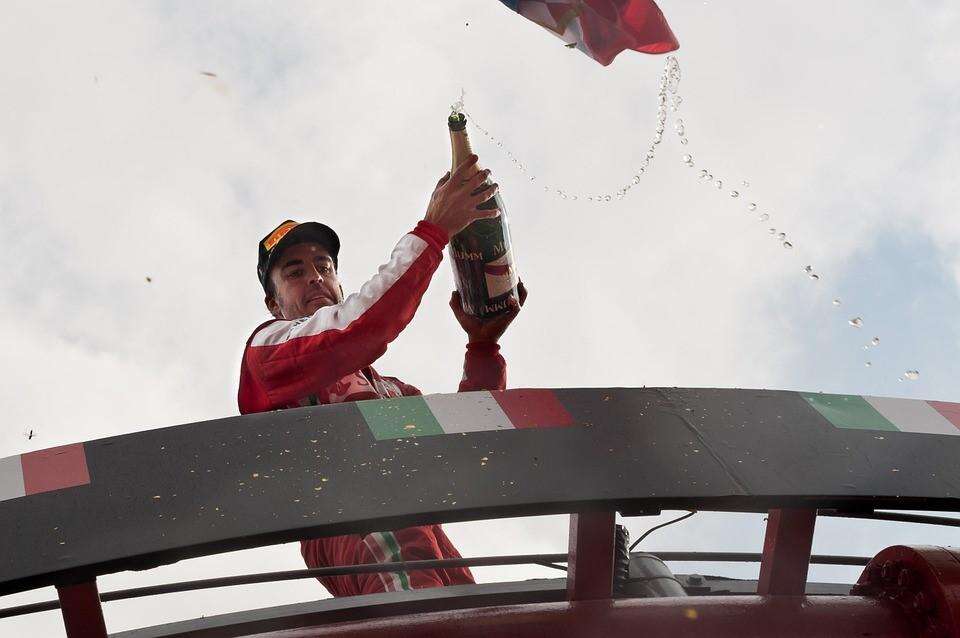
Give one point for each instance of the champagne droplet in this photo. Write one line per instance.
(764, 217)
(688, 160)
(782, 236)
(734, 194)
(875, 341)
(718, 184)
(868, 364)
(751, 207)
(913, 375)
(607, 198)
(745, 184)
(814, 276)
(773, 231)
(683, 141)
(808, 269)
(787, 245)
(837, 302)
(856, 322)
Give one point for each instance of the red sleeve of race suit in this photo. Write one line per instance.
(484, 368)
(285, 361)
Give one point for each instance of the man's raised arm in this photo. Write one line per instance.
(290, 358)
(286, 360)
(484, 368)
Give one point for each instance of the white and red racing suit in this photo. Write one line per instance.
(327, 358)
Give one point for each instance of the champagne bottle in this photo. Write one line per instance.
(481, 253)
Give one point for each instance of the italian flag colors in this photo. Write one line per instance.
(463, 412)
(43, 471)
(880, 413)
(66, 466)
(385, 548)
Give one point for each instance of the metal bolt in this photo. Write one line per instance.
(906, 578)
(889, 571)
(923, 603)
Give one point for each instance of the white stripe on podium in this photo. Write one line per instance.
(910, 415)
(467, 412)
(11, 478)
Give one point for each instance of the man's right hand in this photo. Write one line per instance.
(453, 205)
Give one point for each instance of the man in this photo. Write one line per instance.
(320, 347)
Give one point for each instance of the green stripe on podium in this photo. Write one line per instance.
(399, 418)
(848, 411)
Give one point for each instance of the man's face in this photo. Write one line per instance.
(304, 279)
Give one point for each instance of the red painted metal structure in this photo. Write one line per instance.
(786, 552)
(904, 591)
(922, 583)
(591, 554)
(713, 617)
(82, 613)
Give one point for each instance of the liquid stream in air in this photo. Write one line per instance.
(669, 99)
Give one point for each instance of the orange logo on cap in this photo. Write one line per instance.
(278, 234)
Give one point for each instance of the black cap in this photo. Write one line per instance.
(288, 233)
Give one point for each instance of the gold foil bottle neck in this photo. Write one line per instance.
(459, 140)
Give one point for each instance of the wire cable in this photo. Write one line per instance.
(653, 529)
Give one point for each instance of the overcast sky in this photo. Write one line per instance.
(120, 160)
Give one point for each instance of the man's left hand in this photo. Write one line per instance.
(491, 330)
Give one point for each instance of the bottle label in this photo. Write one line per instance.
(500, 275)
(483, 266)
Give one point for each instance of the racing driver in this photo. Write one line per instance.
(320, 347)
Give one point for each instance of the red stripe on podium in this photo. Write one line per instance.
(950, 411)
(533, 408)
(54, 469)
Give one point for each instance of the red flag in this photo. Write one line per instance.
(602, 28)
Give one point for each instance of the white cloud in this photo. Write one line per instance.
(120, 160)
